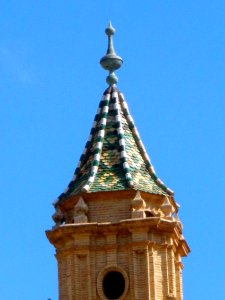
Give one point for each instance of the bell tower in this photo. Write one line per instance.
(117, 233)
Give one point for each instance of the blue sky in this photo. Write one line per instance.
(51, 83)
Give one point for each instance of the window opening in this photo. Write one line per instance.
(113, 285)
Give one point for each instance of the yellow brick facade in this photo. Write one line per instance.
(146, 251)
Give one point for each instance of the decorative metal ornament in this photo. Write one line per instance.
(111, 61)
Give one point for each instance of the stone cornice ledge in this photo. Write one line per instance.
(147, 224)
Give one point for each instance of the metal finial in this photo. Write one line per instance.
(111, 61)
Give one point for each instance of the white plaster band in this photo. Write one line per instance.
(123, 154)
(122, 142)
(117, 117)
(114, 95)
(128, 176)
(107, 97)
(94, 169)
(125, 165)
(101, 133)
(91, 179)
(85, 188)
(97, 157)
(99, 145)
(103, 121)
(105, 109)
(120, 130)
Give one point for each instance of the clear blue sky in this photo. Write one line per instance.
(51, 83)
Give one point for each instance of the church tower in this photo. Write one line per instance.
(117, 233)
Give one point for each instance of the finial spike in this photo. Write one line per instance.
(111, 61)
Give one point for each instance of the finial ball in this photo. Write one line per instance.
(110, 30)
(111, 79)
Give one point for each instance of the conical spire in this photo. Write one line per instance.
(111, 61)
(114, 158)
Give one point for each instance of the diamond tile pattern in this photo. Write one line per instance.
(114, 157)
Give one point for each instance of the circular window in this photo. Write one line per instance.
(112, 283)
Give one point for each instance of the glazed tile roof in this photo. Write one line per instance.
(114, 157)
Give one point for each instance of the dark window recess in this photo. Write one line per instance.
(148, 214)
(113, 285)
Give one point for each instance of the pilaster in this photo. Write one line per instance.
(171, 272)
(141, 265)
(82, 267)
(152, 271)
(111, 249)
(179, 267)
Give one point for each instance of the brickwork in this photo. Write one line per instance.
(146, 250)
(110, 211)
(150, 268)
